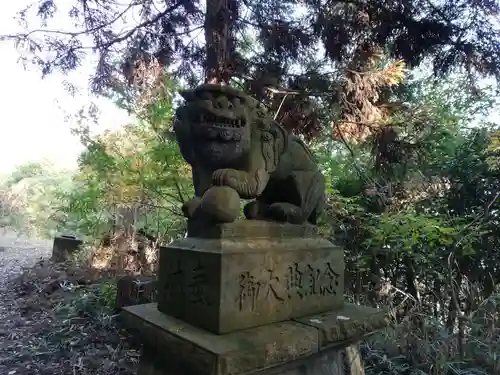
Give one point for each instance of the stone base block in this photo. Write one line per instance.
(329, 362)
(64, 246)
(249, 273)
(310, 345)
(134, 291)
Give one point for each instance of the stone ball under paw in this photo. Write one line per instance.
(222, 203)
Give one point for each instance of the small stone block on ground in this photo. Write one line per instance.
(176, 347)
(135, 291)
(64, 246)
(249, 273)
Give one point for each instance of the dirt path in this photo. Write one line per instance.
(49, 324)
(17, 252)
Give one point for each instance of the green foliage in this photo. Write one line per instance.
(30, 196)
(133, 177)
(425, 228)
(127, 179)
(431, 349)
(107, 294)
(24, 171)
(420, 235)
(97, 302)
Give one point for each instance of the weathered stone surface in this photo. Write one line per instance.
(221, 203)
(352, 322)
(135, 291)
(237, 282)
(230, 140)
(286, 348)
(196, 351)
(244, 229)
(327, 362)
(64, 246)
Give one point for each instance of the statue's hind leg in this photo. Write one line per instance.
(256, 210)
(301, 198)
(284, 211)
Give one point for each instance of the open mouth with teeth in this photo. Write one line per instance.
(212, 120)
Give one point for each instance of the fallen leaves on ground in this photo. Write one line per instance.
(54, 320)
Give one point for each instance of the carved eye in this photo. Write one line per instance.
(221, 102)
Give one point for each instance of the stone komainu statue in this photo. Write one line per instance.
(237, 151)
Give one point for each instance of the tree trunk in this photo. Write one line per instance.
(374, 296)
(453, 308)
(411, 282)
(219, 28)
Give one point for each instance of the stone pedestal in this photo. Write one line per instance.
(249, 273)
(311, 345)
(249, 297)
(64, 246)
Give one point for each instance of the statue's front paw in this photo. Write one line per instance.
(226, 177)
(221, 204)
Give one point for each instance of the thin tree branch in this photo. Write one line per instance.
(143, 24)
(73, 33)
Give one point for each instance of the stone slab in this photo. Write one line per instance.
(249, 229)
(197, 351)
(172, 346)
(328, 362)
(351, 322)
(64, 246)
(229, 284)
(134, 291)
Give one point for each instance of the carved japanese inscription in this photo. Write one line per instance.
(295, 281)
(224, 285)
(187, 282)
(198, 284)
(298, 281)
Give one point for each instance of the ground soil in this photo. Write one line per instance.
(51, 318)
